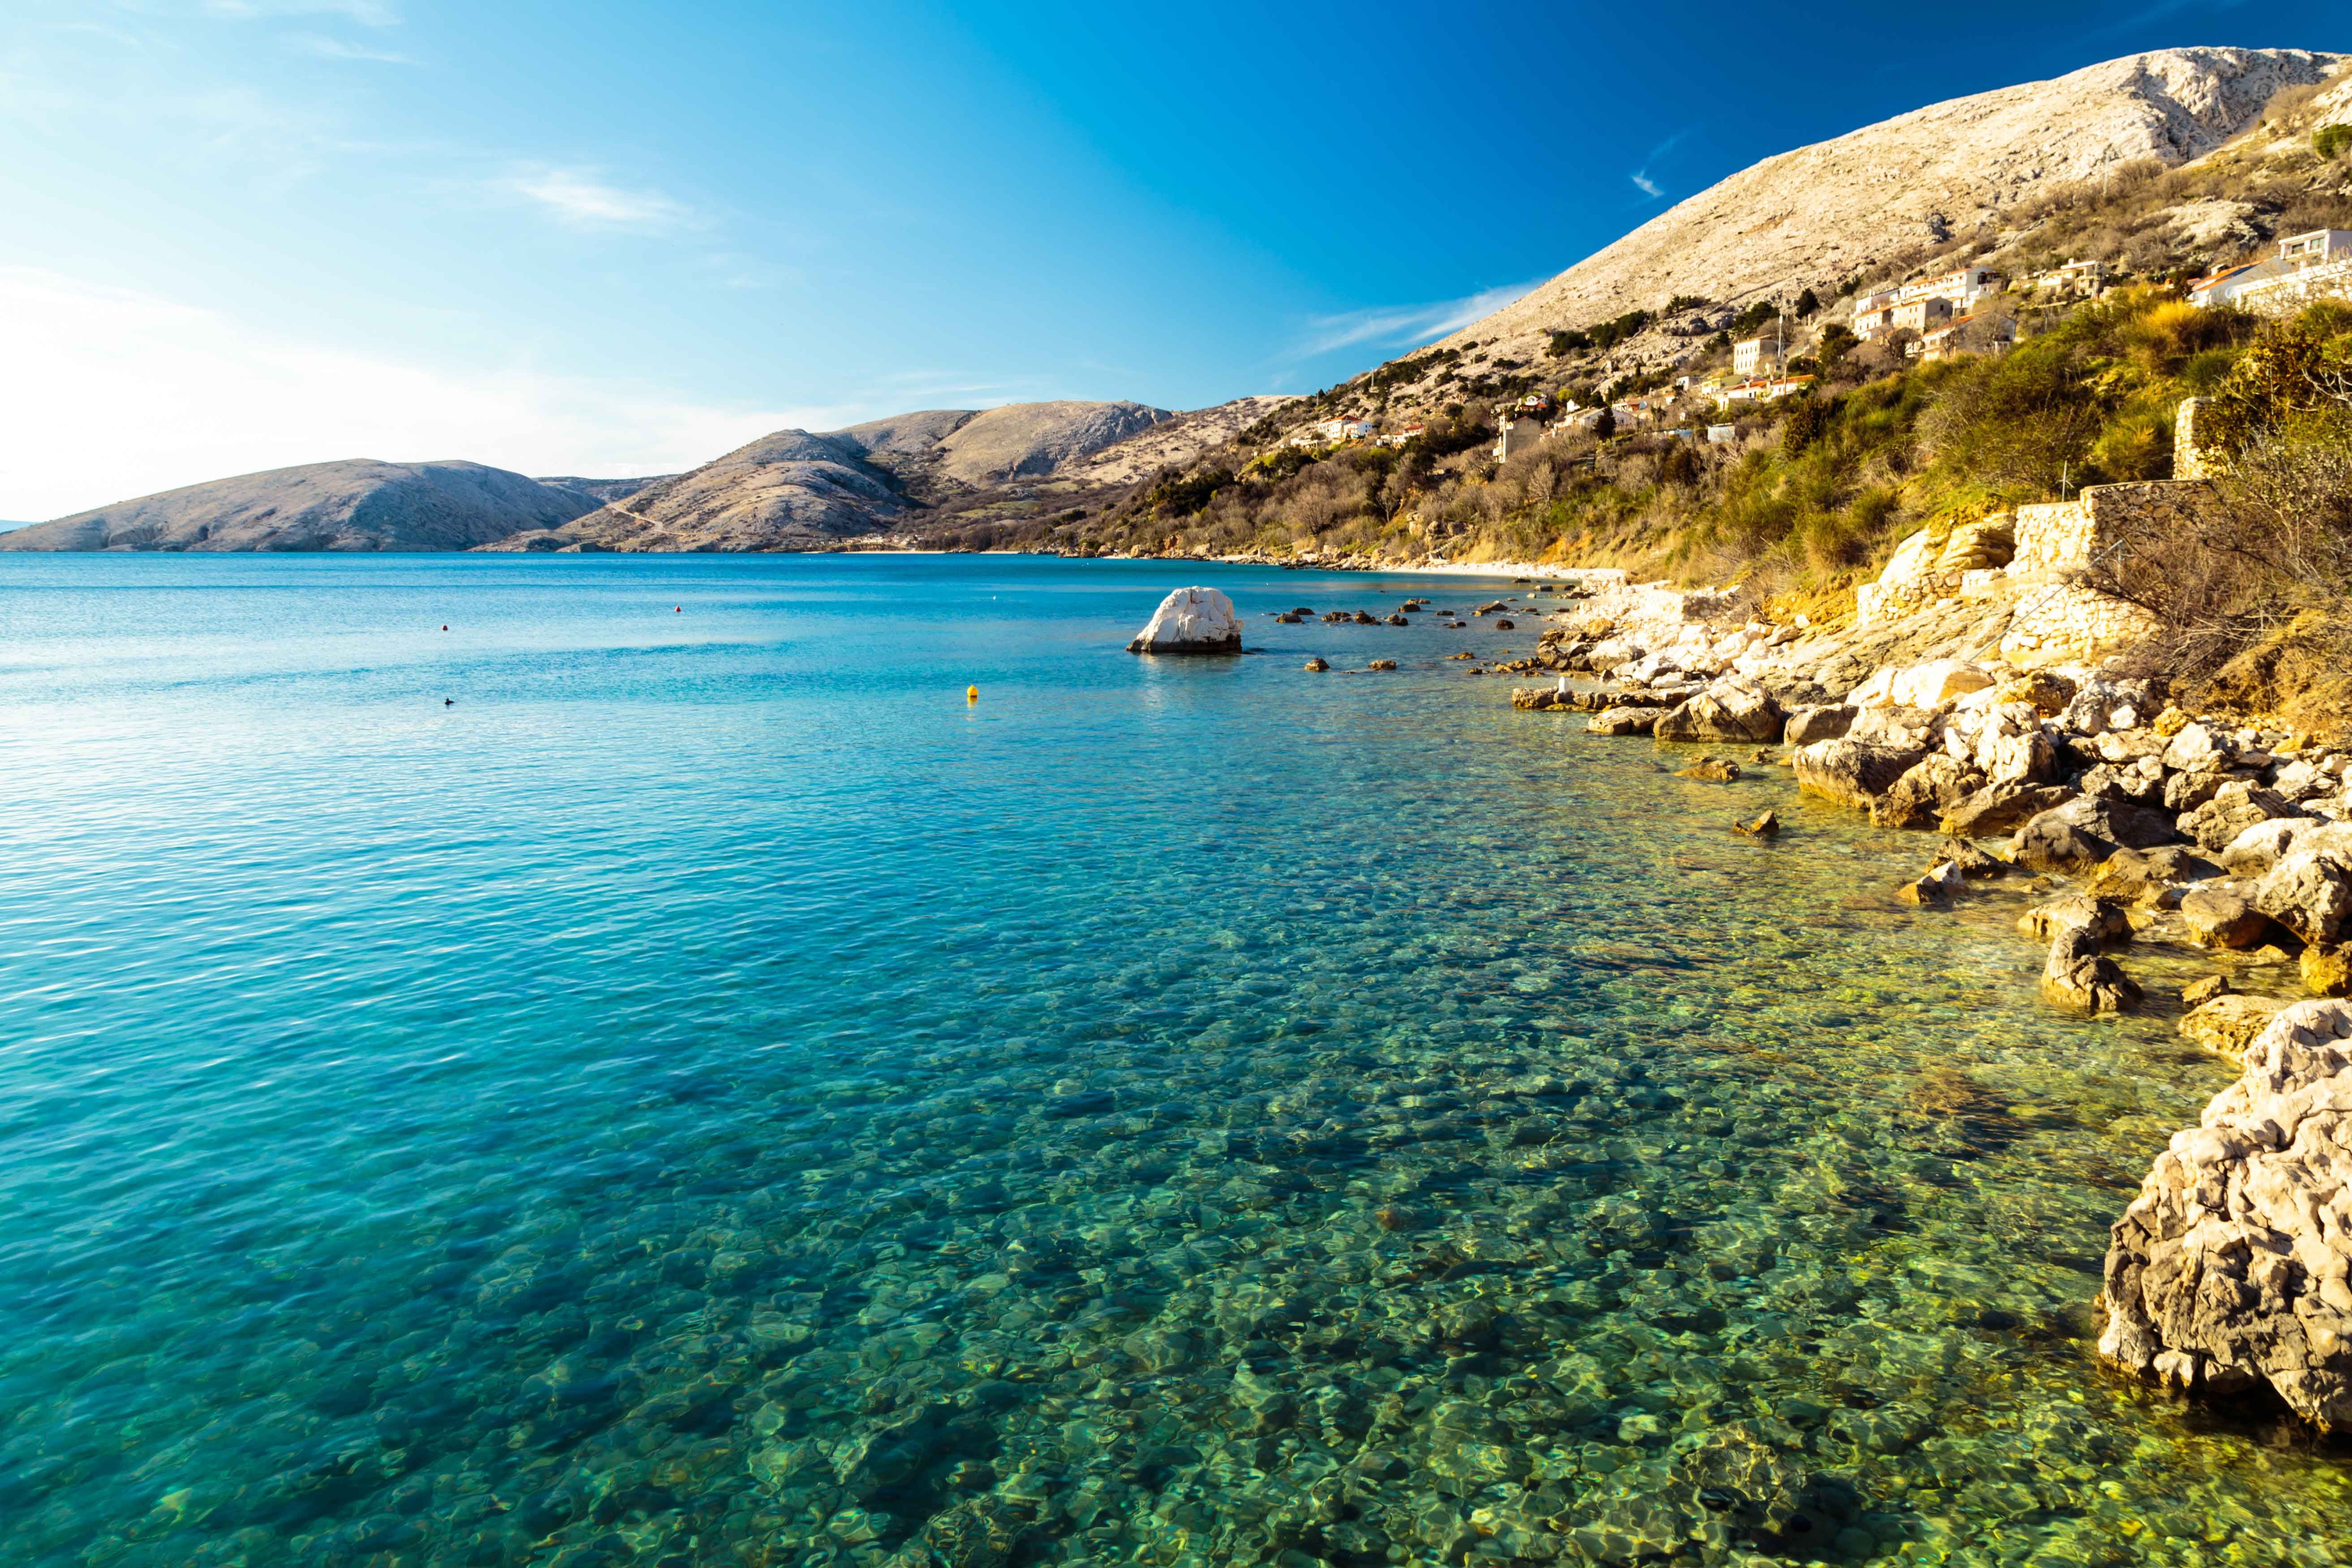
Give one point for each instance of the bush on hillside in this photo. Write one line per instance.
(2331, 140)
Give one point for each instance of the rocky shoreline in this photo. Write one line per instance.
(2120, 822)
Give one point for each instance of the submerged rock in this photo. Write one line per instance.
(1765, 827)
(2078, 976)
(2227, 1024)
(1712, 770)
(2229, 1268)
(1935, 886)
(1191, 620)
(1628, 721)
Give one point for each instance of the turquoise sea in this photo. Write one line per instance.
(650, 1075)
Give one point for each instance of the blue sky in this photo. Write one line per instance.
(607, 238)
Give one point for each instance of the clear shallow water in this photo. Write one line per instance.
(710, 1096)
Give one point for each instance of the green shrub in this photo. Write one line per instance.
(2329, 141)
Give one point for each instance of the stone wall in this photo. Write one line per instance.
(2059, 621)
(2060, 538)
(2039, 560)
(2190, 461)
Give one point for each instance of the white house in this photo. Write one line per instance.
(1963, 286)
(1752, 354)
(1876, 320)
(2317, 265)
(2319, 247)
(1923, 312)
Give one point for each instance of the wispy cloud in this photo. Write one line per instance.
(1643, 182)
(327, 48)
(587, 202)
(2161, 10)
(366, 12)
(1392, 325)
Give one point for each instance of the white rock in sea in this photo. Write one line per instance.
(1191, 620)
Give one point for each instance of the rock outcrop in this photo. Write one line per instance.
(2234, 1266)
(1191, 620)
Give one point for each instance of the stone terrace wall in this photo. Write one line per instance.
(2059, 537)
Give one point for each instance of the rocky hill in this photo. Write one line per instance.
(357, 504)
(1963, 176)
(949, 470)
(600, 492)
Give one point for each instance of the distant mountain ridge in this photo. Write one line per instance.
(356, 504)
(796, 489)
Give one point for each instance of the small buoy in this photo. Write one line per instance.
(445, 628)
(677, 609)
(972, 694)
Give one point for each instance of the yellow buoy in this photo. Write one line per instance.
(972, 694)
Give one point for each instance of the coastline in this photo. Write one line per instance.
(2123, 827)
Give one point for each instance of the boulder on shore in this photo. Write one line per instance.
(1852, 772)
(2230, 1268)
(1191, 620)
(2217, 918)
(1927, 790)
(2309, 894)
(1728, 710)
(2001, 807)
(1806, 725)
(2077, 836)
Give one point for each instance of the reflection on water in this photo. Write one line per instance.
(708, 1096)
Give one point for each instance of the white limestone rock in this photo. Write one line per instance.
(2232, 1265)
(1191, 620)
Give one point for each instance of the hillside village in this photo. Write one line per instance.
(1788, 434)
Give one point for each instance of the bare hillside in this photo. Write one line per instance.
(1819, 215)
(353, 505)
(940, 469)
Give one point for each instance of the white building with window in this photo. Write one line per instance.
(1751, 356)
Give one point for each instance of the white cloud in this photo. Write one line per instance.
(113, 394)
(328, 48)
(581, 199)
(1641, 176)
(1405, 323)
